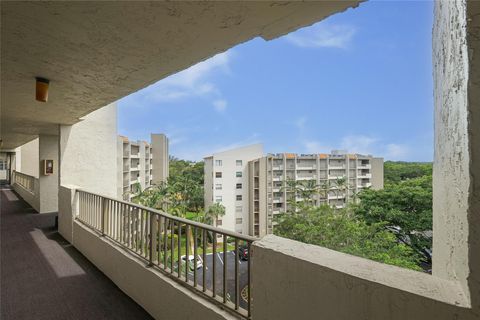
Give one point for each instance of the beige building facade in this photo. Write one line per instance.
(226, 182)
(339, 177)
(141, 164)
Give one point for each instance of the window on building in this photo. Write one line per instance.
(218, 174)
(238, 174)
(219, 222)
(218, 163)
(238, 209)
(239, 163)
(239, 186)
(218, 198)
(238, 220)
(218, 186)
(239, 197)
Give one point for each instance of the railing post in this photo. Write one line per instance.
(104, 215)
(152, 238)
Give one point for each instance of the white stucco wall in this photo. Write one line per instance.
(293, 280)
(89, 152)
(48, 184)
(28, 158)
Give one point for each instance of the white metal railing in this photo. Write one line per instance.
(24, 180)
(157, 238)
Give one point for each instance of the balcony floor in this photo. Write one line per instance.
(44, 277)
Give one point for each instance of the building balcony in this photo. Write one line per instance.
(364, 166)
(364, 176)
(364, 185)
(336, 167)
(333, 177)
(310, 177)
(277, 199)
(306, 167)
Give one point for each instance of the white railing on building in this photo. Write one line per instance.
(24, 180)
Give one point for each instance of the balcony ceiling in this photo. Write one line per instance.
(95, 53)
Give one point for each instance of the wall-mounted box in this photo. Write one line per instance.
(47, 167)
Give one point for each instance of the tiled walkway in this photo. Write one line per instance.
(44, 277)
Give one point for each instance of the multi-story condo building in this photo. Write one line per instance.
(141, 164)
(226, 182)
(339, 176)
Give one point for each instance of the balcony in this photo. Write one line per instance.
(364, 176)
(301, 167)
(306, 177)
(364, 166)
(43, 278)
(364, 185)
(277, 199)
(41, 259)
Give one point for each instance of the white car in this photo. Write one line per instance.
(191, 263)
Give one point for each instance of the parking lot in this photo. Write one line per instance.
(220, 260)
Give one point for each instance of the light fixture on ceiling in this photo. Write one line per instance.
(41, 92)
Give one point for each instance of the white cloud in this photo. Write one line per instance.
(198, 152)
(220, 105)
(194, 81)
(312, 146)
(360, 144)
(397, 151)
(323, 35)
(300, 123)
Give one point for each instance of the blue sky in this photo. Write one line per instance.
(360, 80)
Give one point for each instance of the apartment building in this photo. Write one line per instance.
(226, 182)
(339, 176)
(141, 164)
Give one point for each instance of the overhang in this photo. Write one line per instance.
(95, 53)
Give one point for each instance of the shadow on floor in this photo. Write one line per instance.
(44, 277)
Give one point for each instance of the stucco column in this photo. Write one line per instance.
(456, 171)
(48, 184)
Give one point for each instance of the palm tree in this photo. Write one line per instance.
(213, 212)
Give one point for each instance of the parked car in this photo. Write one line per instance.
(191, 262)
(243, 253)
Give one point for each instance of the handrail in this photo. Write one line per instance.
(169, 216)
(156, 237)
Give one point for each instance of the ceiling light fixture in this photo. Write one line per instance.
(41, 92)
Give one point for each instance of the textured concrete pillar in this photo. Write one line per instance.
(48, 184)
(456, 171)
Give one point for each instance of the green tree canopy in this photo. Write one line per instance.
(405, 202)
(342, 231)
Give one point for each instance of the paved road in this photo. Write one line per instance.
(219, 265)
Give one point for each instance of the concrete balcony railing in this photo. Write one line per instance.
(364, 176)
(306, 177)
(28, 187)
(364, 166)
(25, 181)
(306, 167)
